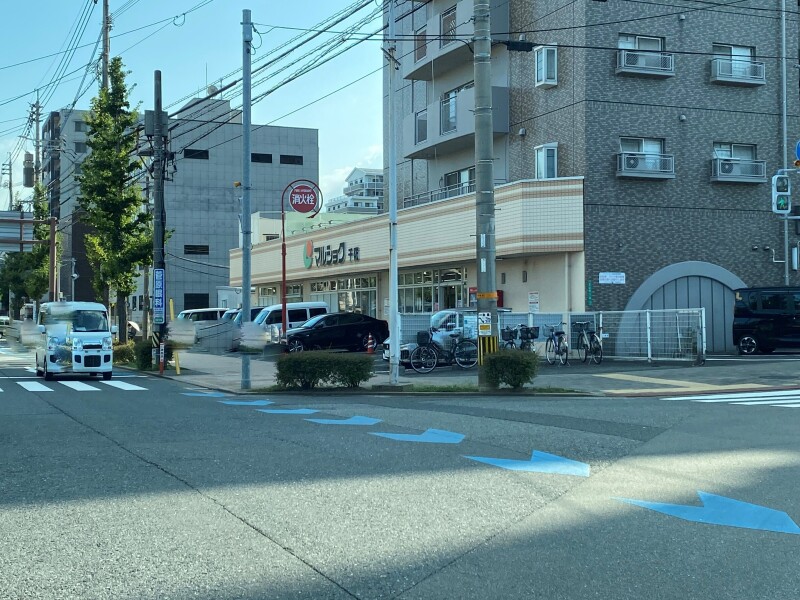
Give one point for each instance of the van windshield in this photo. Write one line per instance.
(81, 320)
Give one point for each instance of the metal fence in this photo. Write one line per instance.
(677, 334)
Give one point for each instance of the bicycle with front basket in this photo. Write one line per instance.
(589, 344)
(525, 334)
(425, 357)
(556, 346)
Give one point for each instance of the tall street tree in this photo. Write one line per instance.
(27, 274)
(111, 201)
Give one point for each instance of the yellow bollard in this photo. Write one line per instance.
(174, 353)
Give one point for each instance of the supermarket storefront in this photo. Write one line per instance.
(539, 247)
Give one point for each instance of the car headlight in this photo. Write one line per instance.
(77, 344)
(107, 343)
(52, 343)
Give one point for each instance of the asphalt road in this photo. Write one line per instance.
(159, 491)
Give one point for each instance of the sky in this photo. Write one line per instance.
(200, 46)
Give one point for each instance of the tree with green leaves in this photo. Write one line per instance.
(27, 274)
(121, 239)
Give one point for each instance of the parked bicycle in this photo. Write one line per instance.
(556, 346)
(589, 344)
(426, 356)
(525, 334)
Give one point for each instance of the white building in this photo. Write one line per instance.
(362, 195)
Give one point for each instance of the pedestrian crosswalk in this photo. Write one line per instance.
(776, 398)
(78, 386)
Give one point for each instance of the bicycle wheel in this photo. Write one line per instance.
(563, 350)
(509, 346)
(550, 351)
(423, 359)
(583, 348)
(597, 350)
(466, 354)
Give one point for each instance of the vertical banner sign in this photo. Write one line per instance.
(533, 302)
(484, 323)
(159, 304)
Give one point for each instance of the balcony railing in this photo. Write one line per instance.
(736, 71)
(639, 164)
(451, 191)
(738, 170)
(637, 62)
(371, 186)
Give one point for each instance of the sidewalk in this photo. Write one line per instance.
(611, 378)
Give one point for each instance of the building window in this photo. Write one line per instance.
(448, 110)
(194, 301)
(547, 161)
(448, 26)
(268, 237)
(291, 159)
(80, 147)
(421, 134)
(641, 42)
(258, 157)
(641, 145)
(740, 151)
(80, 127)
(736, 62)
(195, 249)
(195, 154)
(546, 66)
(420, 45)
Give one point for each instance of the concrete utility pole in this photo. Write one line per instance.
(484, 185)
(785, 136)
(7, 169)
(146, 275)
(106, 43)
(159, 216)
(394, 320)
(37, 115)
(247, 42)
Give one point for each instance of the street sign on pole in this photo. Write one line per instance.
(159, 303)
(797, 150)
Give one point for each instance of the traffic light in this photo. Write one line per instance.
(781, 195)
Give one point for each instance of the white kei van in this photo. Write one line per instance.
(297, 313)
(74, 337)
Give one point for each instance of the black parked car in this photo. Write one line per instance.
(347, 331)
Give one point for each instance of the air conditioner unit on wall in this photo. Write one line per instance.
(631, 162)
(726, 167)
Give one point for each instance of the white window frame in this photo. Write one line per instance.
(642, 142)
(730, 150)
(546, 66)
(420, 44)
(447, 36)
(418, 138)
(546, 160)
(633, 42)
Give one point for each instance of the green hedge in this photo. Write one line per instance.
(143, 353)
(306, 370)
(123, 353)
(513, 368)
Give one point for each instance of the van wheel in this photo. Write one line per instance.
(48, 376)
(748, 345)
(107, 376)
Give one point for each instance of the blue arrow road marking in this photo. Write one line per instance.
(431, 436)
(540, 462)
(356, 420)
(719, 510)
(246, 402)
(206, 394)
(287, 411)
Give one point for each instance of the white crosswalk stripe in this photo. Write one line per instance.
(79, 386)
(34, 386)
(121, 385)
(778, 398)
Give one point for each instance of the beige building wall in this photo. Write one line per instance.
(539, 236)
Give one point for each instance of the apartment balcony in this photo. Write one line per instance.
(430, 141)
(370, 188)
(440, 54)
(730, 71)
(648, 64)
(647, 166)
(738, 170)
(451, 191)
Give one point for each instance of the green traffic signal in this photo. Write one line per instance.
(782, 203)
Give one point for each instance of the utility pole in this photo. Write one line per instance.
(394, 321)
(37, 163)
(106, 43)
(7, 168)
(484, 189)
(146, 297)
(247, 42)
(785, 136)
(159, 216)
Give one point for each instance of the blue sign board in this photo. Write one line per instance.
(159, 300)
(797, 151)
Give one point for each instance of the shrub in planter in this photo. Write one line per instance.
(308, 370)
(143, 353)
(513, 368)
(124, 353)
